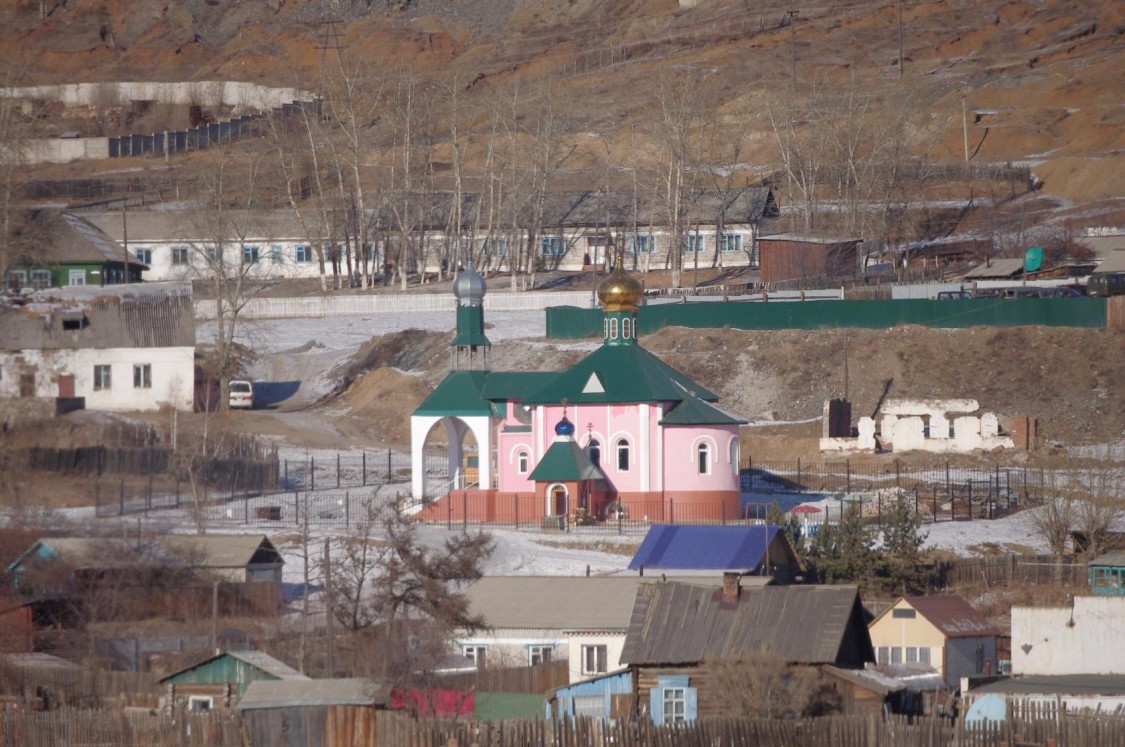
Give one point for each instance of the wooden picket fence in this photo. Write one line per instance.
(1003, 570)
(143, 728)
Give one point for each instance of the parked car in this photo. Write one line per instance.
(948, 295)
(241, 395)
(1106, 284)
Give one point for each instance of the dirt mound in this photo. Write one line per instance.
(382, 400)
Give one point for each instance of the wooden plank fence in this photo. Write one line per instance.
(1115, 312)
(1003, 570)
(62, 687)
(128, 728)
(534, 679)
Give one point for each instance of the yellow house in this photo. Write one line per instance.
(942, 632)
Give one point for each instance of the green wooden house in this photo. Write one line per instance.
(54, 249)
(220, 681)
(1107, 574)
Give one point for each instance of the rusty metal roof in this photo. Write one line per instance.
(675, 623)
(950, 614)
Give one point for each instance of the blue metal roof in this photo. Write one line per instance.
(740, 548)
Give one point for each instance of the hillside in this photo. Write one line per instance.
(1037, 82)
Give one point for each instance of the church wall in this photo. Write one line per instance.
(681, 456)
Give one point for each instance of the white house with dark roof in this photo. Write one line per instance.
(120, 347)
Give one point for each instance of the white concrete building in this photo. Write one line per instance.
(121, 347)
(1083, 637)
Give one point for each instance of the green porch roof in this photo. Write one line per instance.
(565, 461)
(619, 373)
(515, 385)
(693, 411)
(459, 393)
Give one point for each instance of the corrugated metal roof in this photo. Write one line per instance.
(675, 624)
(1115, 558)
(133, 315)
(730, 548)
(996, 268)
(459, 393)
(693, 411)
(222, 550)
(557, 602)
(268, 664)
(289, 693)
(805, 239)
(951, 614)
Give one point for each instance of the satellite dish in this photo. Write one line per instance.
(1033, 259)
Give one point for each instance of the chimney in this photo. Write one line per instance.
(731, 586)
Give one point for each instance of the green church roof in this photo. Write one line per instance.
(565, 461)
(515, 385)
(694, 411)
(459, 393)
(616, 374)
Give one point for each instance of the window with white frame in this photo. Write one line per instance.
(703, 458)
(642, 244)
(476, 654)
(144, 254)
(180, 255)
(595, 659)
(142, 376)
(626, 328)
(303, 254)
(622, 456)
(734, 456)
(495, 247)
(594, 450)
(552, 246)
(212, 253)
(251, 254)
(695, 242)
(277, 255)
(732, 242)
(539, 654)
(522, 462)
(103, 378)
(675, 705)
(40, 279)
(200, 704)
(76, 277)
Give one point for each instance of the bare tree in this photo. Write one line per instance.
(761, 684)
(1085, 495)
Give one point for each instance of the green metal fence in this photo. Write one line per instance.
(568, 322)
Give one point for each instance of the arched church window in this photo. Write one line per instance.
(734, 456)
(622, 456)
(594, 449)
(605, 328)
(522, 462)
(626, 328)
(703, 459)
(613, 329)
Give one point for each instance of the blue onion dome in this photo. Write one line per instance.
(619, 292)
(469, 287)
(564, 427)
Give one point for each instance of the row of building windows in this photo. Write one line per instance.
(595, 657)
(902, 655)
(142, 377)
(704, 460)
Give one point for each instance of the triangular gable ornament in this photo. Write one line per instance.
(594, 385)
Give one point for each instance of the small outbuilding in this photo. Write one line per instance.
(787, 256)
(220, 681)
(1107, 574)
(313, 713)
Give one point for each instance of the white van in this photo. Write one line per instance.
(241, 395)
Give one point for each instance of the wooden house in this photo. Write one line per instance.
(53, 249)
(338, 712)
(236, 558)
(677, 631)
(1107, 574)
(220, 681)
(941, 631)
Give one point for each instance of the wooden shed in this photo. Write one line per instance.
(316, 713)
(787, 256)
(220, 681)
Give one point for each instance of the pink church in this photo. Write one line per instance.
(619, 434)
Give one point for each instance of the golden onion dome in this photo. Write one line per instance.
(619, 292)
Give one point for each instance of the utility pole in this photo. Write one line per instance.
(791, 19)
(124, 242)
(965, 126)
